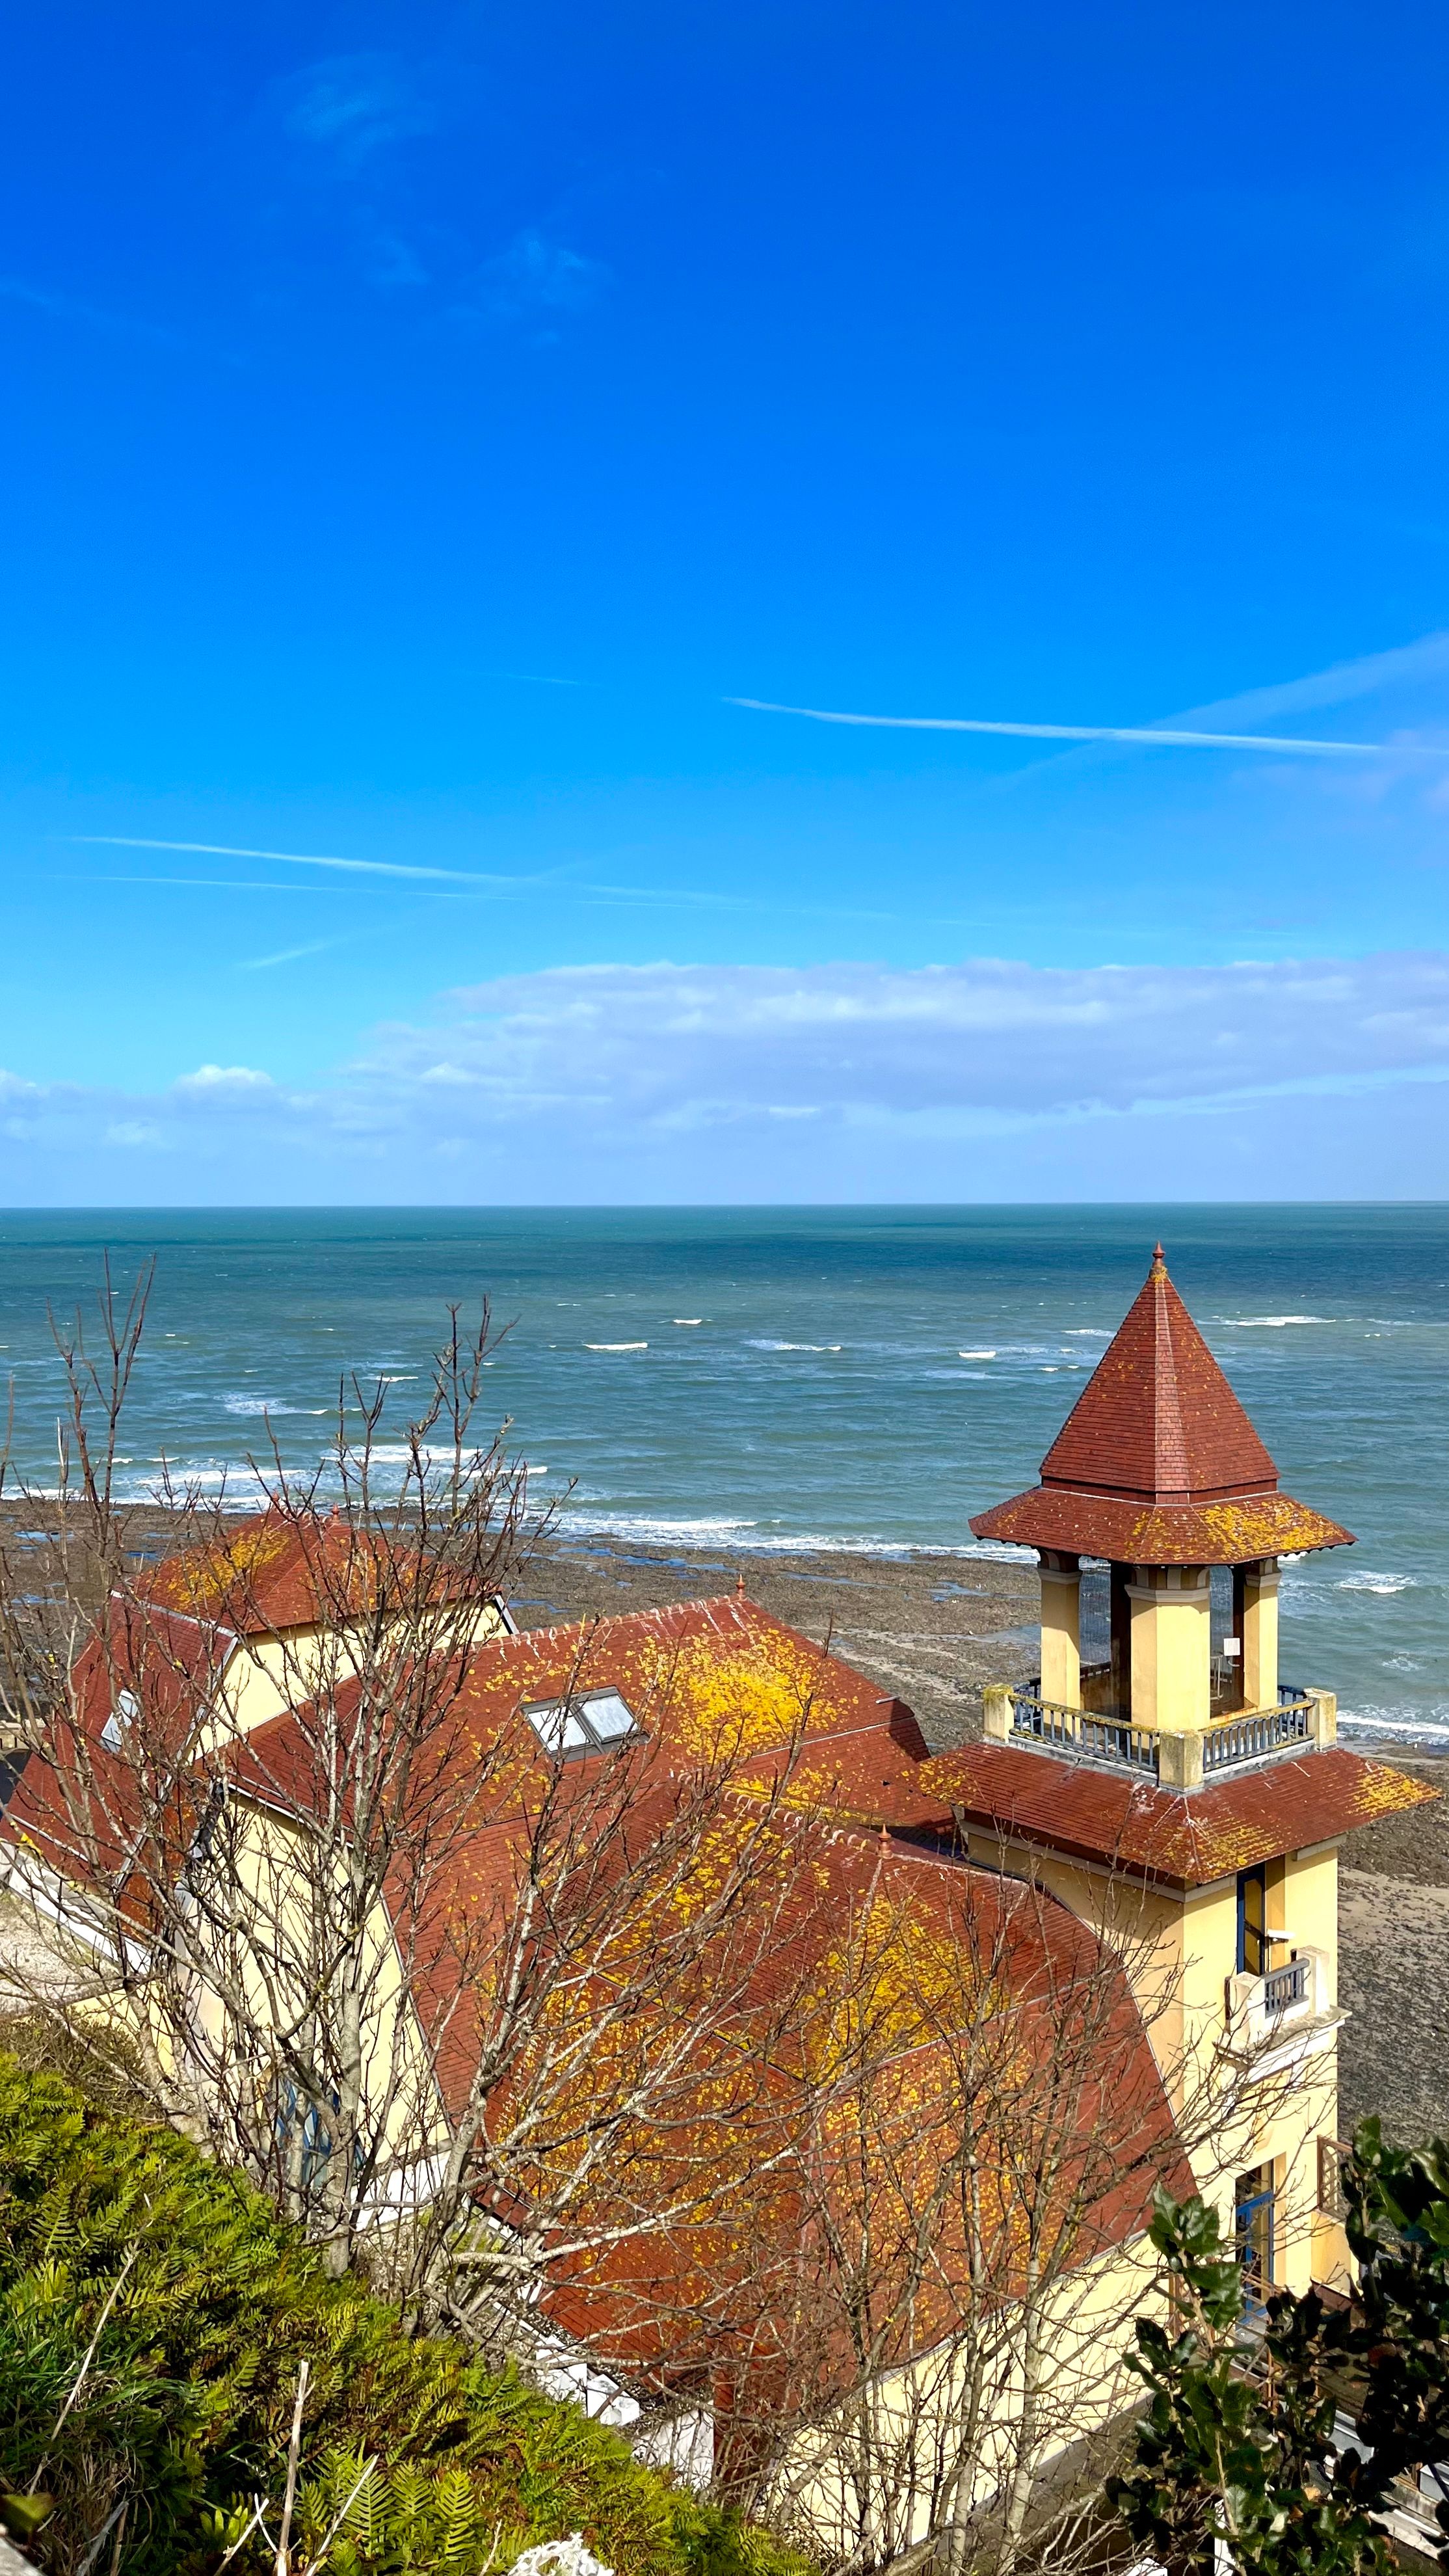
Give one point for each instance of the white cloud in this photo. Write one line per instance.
(845, 1080)
(214, 1078)
(632, 1045)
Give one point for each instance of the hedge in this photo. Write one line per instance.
(183, 2414)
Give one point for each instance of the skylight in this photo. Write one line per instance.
(126, 1710)
(585, 1725)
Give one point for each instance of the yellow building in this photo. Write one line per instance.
(1173, 1791)
(983, 2002)
(285, 1608)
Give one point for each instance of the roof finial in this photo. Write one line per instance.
(1159, 1262)
(740, 1584)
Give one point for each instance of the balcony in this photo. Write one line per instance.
(1256, 1733)
(1289, 1998)
(1105, 1739)
(1100, 1692)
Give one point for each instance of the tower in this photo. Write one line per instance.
(1173, 1790)
(1159, 1471)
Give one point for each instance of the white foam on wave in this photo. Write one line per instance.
(616, 1346)
(270, 1405)
(1271, 1323)
(747, 1537)
(399, 1453)
(1366, 1582)
(976, 1355)
(683, 1320)
(1088, 1333)
(750, 1539)
(1405, 1727)
(655, 1526)
(795, 1346)
(250, 1488)
(247, 1486)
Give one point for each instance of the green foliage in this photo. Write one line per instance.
(1238, 2441)
(202, 2304)
(1397, 2216)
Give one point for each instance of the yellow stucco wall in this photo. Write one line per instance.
(1061, 1654)
(263, 1675)
(1260, 1635)
(1171, 1649)
(1236, 2113)
(1082, 2326)
(282, 1919)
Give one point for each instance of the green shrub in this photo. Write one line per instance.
(184, 2411)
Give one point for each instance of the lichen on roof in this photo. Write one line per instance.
(727, 1696)
(204, 1577)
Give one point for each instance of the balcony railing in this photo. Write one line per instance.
(1259, 1731)
(1286, 1986)
(1100, 1696)
(1075, 1730)
(1263, 2010)
(1226, 1744)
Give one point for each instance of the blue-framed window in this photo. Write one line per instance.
(1253, 1946)
(1254, 2228)
(316, 2137)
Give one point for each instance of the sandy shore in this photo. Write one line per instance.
(1393, 1929)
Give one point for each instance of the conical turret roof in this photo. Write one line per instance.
(1157, 1419)
(1157, 1463)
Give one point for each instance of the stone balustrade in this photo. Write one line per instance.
(1176, 1759)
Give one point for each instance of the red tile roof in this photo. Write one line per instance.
(1186, 1839)
(278, 1570)
(926, 1937)
(1157, 1463)
(726, 1677)
(722, 1679)
(866, 1833)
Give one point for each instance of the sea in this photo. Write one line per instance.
(766, 1379)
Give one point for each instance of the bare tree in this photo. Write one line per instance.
(937, 2367)
(616, 2048)
(462, 2002)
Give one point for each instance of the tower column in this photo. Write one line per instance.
(1061, 1627)
(1119, 1618)
(1258, 1614)
(1171, 1650)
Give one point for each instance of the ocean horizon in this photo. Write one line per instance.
(751, 1379)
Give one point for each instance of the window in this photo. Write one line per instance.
(587, 1725)
(1254, 2205)
(123, 1715)
(1331, 2153)
(1253, 1945)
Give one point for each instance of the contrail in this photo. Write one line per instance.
(1106, 733)
(555, 879)
(295, 859)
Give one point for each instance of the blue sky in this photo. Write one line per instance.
(422, 426)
